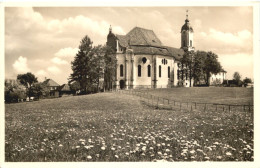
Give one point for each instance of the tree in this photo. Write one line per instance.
(74, 87)
(92, 64)
(211, 66)
(200, 64)
(81, 65)
(188, 60)
(14, 93)
(237, 78)
(109, 65)
(27, 80)
(39, 89)
(246, 81)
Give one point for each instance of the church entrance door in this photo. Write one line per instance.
(122, 84)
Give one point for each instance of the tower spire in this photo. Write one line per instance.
(110, 29)
(187, 14)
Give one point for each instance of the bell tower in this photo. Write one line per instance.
(187, 35)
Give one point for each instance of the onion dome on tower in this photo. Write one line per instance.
(187, 35)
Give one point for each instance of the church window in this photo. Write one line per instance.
(169, 71)
(121, 70)
(190, 43)
(160, 71)
(139, 70)
(178, 74)
(149, 70)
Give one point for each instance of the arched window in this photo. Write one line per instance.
(169, 71)
(121, 70)
(139, 71)
(160, 71)
(149, 70)
(190, 43)
(178, 74)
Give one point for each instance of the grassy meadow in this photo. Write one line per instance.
(123, 127)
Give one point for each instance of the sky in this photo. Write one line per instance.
(44, 40)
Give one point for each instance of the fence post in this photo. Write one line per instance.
(168, 101)
(216, 107)
(191, 108)
(223, 107)
(180, 105)
(205, 107)
(228, 108)
(195, 105)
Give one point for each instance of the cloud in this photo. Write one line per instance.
(41, 73)
(67, 52)
(58, 61)
(243, 64)
(225, 42)
(20, 65)
(54, 69)
(238, 39)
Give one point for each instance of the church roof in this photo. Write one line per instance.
(139, 36)
(144, 41)
(175, 52)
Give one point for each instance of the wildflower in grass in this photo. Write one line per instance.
(192, 152)
(143, 154)
(229, 154)
(151, 148)
(86, 147)
(97, 155)
(215, 143)
(82, 140)
(41, 150)
(144, 148)
(127, 153)
(103, 148)
(159, 153)
(206, 158)
(116, 156)
(89, 157)
(167, 150)
(209, 148)
(137, 144)
(163, 144)
(60, 145)
(147, 142)
(158, 145)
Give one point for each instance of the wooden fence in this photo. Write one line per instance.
(161, 102)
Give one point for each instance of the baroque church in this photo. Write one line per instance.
(144, 62)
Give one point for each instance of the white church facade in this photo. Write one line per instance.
(144, 62)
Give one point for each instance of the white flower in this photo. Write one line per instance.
(228, 154)
(192, 152)
(113, 148)
(89, 157)
(103, 148)
(117, 156)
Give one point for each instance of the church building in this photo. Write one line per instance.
(144, 62)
